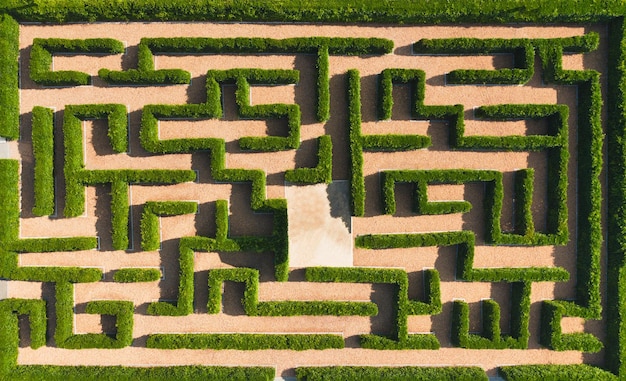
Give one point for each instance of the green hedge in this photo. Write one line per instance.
(63, 334)
(521, 49)
(43, 154)
(616, 199)
(189, 372)
(322, 172)
(344, 11)
(414, 373)
(465, 256)
(9, 329)
(152, 210)
(575, 372)
(9, 78)
(246, 342)
(491, 337)
(43, 49)
(552, 337)
(132, 275)
(357, 181)
(399, 338)
(252, 306)
(77, 177)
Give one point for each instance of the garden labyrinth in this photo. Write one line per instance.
(262, 200)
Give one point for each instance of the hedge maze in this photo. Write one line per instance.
(54, 168)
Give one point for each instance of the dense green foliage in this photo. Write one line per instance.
(491, 338)
(252, 306)
(616, 134)
(63, 334)
(399, 338)
(521, 49)
(43, 154)
(243, 341)
(133, 274)
(152, 210)
(322, 172)
(352, 11)
(9, 78)
(405, 373)
(357, 181)
(43, 49)
(576, 372)
(76, 177)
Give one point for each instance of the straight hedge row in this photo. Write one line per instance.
(245, 341)
(43, 156)
(9, 78)
(133, 275)
(616, 199)
(415, 373)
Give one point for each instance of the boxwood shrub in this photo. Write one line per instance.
(491, 337)
(9, 329)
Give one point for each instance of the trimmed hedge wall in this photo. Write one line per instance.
(322, 172)
(552, 337)
(9, 78)
(521, 49)
(252, 306)
(357, 181)
(152, 210)
(555, 372)
(616, 199)
(43, 153)
(414, 373)
(465, 256)
(132, 275)
(491, 337)
(9, 329)
(493, 202)
(43, 49)
(245, 341)
(63, 334)
(399, 338)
